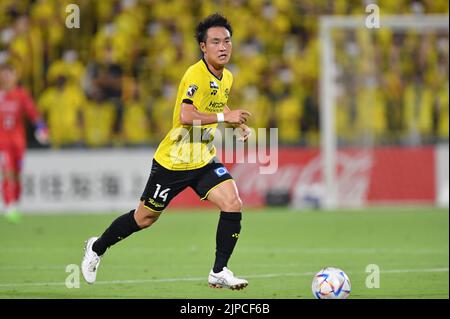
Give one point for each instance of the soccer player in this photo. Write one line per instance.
(185, 158)
(15, 104)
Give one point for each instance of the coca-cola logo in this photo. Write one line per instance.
(304, 180)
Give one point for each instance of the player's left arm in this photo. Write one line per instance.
(41, 131)
(245, 131)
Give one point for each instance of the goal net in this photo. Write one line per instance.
(384, 98)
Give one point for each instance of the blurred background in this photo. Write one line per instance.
(110, 85)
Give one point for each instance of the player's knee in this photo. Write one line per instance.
(147, 221)
(145, 217)
(232, 205)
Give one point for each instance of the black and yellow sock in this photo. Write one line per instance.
(120, 228)
(227, 235)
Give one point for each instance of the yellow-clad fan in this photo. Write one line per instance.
(62, 105)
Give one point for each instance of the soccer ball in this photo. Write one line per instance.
(331, 283)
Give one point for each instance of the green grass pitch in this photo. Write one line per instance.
(279, 250)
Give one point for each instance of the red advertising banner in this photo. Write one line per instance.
(403, 175)
(384, 175)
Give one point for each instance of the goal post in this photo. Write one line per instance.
(362, 68)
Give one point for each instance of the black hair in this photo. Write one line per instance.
(214, 20)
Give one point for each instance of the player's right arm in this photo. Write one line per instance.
(189, 113)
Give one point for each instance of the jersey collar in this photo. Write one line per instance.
(206, 64)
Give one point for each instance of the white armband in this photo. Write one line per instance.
(220, 117)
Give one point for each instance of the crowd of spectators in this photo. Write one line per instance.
(113, 81)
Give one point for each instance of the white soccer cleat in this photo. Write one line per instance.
(226, 279)
(90, 262)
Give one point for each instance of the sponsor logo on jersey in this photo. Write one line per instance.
(213, 85)
(215, 106)
(220, 171)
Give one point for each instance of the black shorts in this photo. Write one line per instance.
(164, 184)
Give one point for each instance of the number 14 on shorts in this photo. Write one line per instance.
(163, 194)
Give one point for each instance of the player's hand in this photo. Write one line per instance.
(41, 134)
(244, 132)
(237, 116)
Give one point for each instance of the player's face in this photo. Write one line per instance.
(217, 49)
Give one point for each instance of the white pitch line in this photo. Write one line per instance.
(398, 271)
(143, 281)
(293, 250)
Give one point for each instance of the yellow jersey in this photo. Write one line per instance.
(188, 147)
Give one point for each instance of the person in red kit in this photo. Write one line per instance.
(15, 105)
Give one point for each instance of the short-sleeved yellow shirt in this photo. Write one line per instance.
(188, 147)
